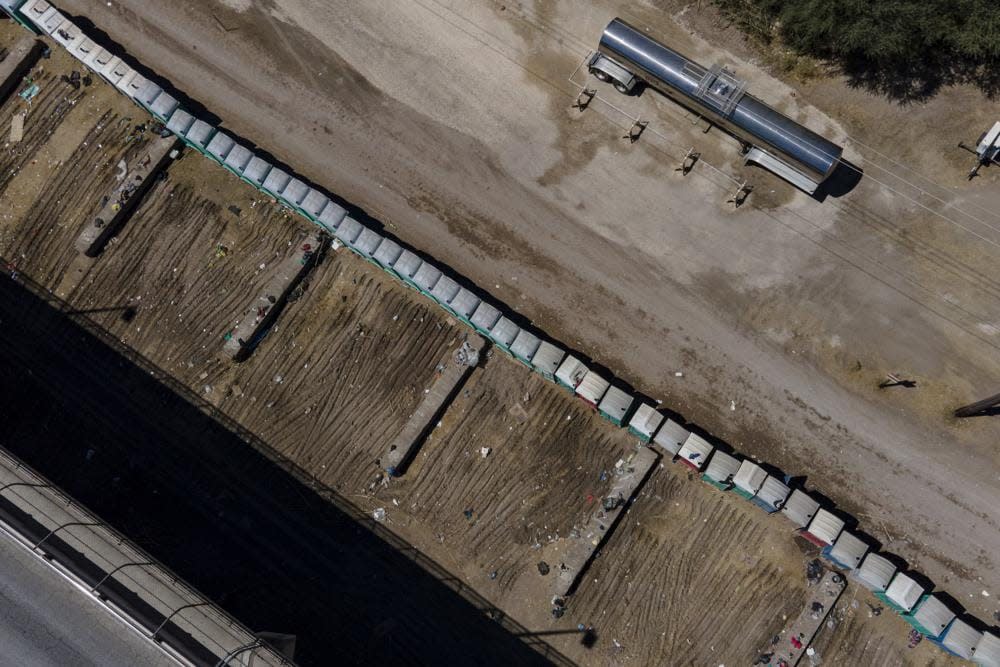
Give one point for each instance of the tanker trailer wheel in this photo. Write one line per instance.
(600, 76)
(621, 87)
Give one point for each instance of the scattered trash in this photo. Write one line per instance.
(235, 210)
(484, 451)
(817, 610)
(468, 513)
(29, 93)
(278, 379)
(122, 171)
(493, 574)
(611, 503)
(221, 251)
(873, 610)
(603, 477)
(543, 568)
(379, 514)
(915, 638)
(558, 607)
(986, 594)
(678, 374)
(814, 571)
(732, 405)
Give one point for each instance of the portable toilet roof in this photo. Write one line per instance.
(333, 213)
(875, 572)
(35, 10)
(276, 181)
(485, 316)
(52, 21)
(800, 508)
(772, 494)
(931, 617)
(199, 134)
(504, 332)
(465, 303)
(847, 551)
(525, 345)
(220, 146)
(84, 48)
(256, 170)
(547, 359)
(570, 372)
(445, 290)
(314, 203)
(388, 252)
(749, 478)
(164, 105)
(349, 230)
(988, 651)
(239, 158)
(426, 277)
(407, 265)
(115, 70)
(66, 34)
(720, 469)
(645, 421)
(294, 192)
(98, 59)
(695, 451)
(615, 405)
(824, 528)
(126, 78)
(671, 437)
(180, 122)
(961, 639)
(903, 592)
(147, 93)
(592, 387)
(132, 85)
(367, 242)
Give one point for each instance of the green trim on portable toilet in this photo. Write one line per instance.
(426, 277)
(314, 203)
(276, 181)
(33, 11)
(484, 317)
(445, 291)
(748, 479)
(12, 8)
(615, 405)
(570, 372)
(930, 617)
(547, 359)
(720, 470)
(256, 171)
(644, 422)
(406, 268)
(902, 594)
(464, 305)
(524, 346)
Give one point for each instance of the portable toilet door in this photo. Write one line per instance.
(570, 372)
(720, 471)
(644, 422)
(961, 639)
(930, 617)
(615, 405)
(748, 479)
(671, 437)
(547, 360)
(695, 452)
(988, 651)
(847, 551)
(875, 572)
(772, 495)
(902, 594)
(824, 528)
(800, 508)
(524, 346)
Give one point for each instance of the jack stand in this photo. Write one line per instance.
(741, 194)
(584, 98)
(636, 130)
(689, 161)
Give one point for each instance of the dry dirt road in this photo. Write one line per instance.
(450, 121)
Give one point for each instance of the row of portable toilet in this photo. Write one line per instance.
(923, 610)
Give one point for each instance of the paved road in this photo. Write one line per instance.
(45, 621)
(450, 121)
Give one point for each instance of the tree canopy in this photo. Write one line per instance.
(904, 48)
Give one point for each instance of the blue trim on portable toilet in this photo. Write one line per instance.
(988, 650)
(524, 346)
(426, 277)
(615, 405)
(930, 617)
(720, 470)
(547, 359)
(772, 495)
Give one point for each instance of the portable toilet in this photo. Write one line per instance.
(615, 405)
(314, 203)
(503, 333)
(465, 304)
(387, 254)
(406, 268)
(720, 470)
(367, 243)
(748, 479)
(824, 528)
(671, 437)
(570, 372)
(485, 316)
(644, 422)
(875, 572)
(591, 388)
(276, 181)
(961, 639)
(695, 452)
(199, 135)
(772, 495)
(180, 122)
(294, 193)
(902, 594)
(445, 291)
(930, 617)
(426, 277)
(163, 106)
(547, 359)
(800, 508)
(256, 171)
(238, 159)
(331, 217)
(988, 651)
(219, 147)
(349, 229)
(847, 551)
(524, 346)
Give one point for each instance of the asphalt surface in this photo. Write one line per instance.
(45, 620)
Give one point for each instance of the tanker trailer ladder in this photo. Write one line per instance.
(18, 62)
(262, 313)
(575, 552)
(455, 366)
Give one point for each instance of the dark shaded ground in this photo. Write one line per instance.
(152, 461)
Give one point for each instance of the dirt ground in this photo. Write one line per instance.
(791, 308)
